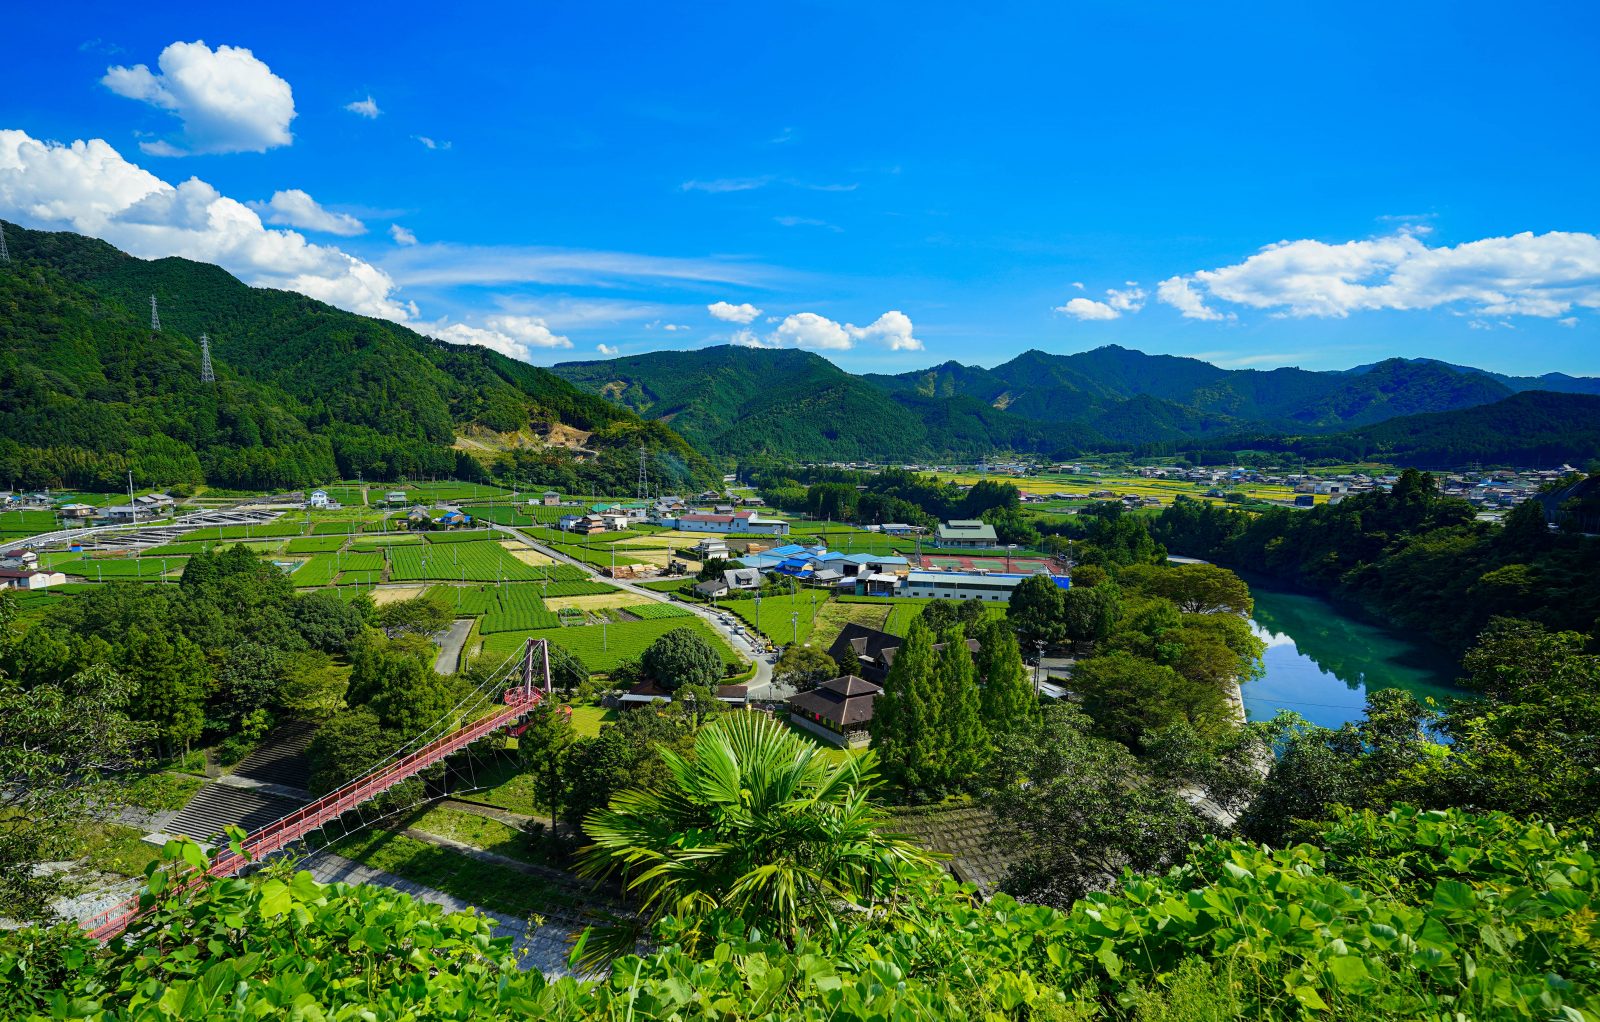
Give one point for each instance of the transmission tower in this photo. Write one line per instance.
(644, 477)
(5, 253)
(155, 317)
(206, 375)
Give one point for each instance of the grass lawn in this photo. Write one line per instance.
(163, 791)
(586, 720)
(113, 848)
(499, 888)
(834, 615)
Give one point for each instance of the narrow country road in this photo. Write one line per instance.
(450, 642)
(760, 684)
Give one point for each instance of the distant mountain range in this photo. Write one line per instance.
(788, 403)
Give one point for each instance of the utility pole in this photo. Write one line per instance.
(131, 505)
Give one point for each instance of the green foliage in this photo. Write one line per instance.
(403, 691)
(804, 668)
(602, 648)
(782, 836)
(682, 657)
(1008, 701)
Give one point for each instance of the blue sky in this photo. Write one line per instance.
(892, 185)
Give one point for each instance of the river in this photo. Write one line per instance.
(1321, 662)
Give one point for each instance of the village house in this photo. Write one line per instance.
(28, 578)
(839, 711)
(743, 522)
(875, 650)
(550, 499)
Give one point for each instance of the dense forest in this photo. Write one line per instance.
(1408, 556)
(305, 393)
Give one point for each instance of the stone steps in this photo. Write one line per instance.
(216, 807)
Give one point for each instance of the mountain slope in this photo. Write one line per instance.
(794, 404)
(304, 391)
(1085, 385)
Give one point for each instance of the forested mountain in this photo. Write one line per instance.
(794, 404)
(1040, 385)
(742, 401)
(304, 391)
(1559, 383)
(1530, 428)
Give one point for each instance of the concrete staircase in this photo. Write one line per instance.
(218, 806)
(268, 784)
(281, 758)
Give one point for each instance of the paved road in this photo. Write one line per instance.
(450, 642)
(760, 685)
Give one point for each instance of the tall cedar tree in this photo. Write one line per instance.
(964, 746)
(1007, 698)
(903, 727)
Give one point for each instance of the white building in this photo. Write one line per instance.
(741, 522)
(318, 499)
(27, 578)
(961, 585)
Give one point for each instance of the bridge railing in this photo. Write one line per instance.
(281, 833)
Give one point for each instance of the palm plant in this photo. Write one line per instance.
(757, 823)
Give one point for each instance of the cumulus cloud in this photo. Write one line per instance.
(1176, 292)
(88, 187)
(1088, 308)
(294, 208)
(367, 108)
(606, 349)
(1129, 300)
(513, 336)
(747, 338)
(893, 330)
(228, 101)
(1544, 275)
(730, 313)
(401, 236)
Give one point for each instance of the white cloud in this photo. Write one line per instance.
(443, 265)
(670, 328)
(1570, 321)
(1130, 300)
(806, 221)
(228, 101)
(294, 208)
(1176, 292)
(431, 143)
(606, 349)
(401, 236)
(747, 338)
(89, 188)
(893, 330)
(1078, 284)
(513, 336)
(1088, 308)
(809, 330)
(1544, 275)
(726, 184)
(730, 313)
(367, 108)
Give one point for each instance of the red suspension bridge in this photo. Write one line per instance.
(525, 692)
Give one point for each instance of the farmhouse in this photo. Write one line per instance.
(874, 650)
(28, 578)
(551, 498)
(837, 711)
(77, 510)
(744, 522)
(966, 532)
(319, 499)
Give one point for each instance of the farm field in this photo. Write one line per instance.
(603, 647)
(19, 523)
(122, 569)
(1139, 486)
(528, 555)
(596, 601)
(602, 556)
(835, 614)
(315, 544)
(517, 609)
(473, 562)
(655, 611)
(775, 615)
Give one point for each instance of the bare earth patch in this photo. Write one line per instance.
(396, 594)
(596, 602)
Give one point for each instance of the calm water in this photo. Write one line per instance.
(1320, 663)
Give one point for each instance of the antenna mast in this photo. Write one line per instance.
(206, 375)
(155, 317)
(5, 253)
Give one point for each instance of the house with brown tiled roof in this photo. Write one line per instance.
(837, 711)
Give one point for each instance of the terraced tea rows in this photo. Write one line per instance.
(603, 647)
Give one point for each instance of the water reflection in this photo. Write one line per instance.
(1321, 663)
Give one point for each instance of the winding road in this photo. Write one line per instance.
(760, 685)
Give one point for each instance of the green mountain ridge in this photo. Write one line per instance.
(745, 401)
(305, 392)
